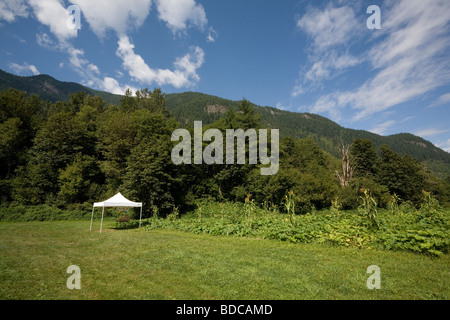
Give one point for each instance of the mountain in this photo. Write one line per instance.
(190, 106)
(48, 88)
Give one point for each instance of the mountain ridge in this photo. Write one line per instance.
(49, 88)
(190, 106)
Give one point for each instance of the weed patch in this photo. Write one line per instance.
(416, 231)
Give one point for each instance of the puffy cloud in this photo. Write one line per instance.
(179, 14)
(184, 74)
(24, 69)
(91, 74)
(53, 14)
(112, 85)
(117, 15)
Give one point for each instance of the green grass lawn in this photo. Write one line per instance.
(167, 264)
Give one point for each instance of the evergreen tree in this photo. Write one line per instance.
(402, 175)
(365, 158)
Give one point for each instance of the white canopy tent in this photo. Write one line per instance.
(117, 201)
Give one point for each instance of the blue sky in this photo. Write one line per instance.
(302, 56)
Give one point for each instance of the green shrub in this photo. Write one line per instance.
(40, 213)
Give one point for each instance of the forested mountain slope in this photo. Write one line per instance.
(191, 106)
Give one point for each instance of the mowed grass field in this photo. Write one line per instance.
(166, 265)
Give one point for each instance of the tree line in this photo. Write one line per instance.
(75, 152)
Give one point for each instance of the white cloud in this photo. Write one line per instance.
(212, 35)
(120, 16)
(409, 61)
(112, 85)
(326, 105)
(93, 68)
(440, 101)
(444, 98)
(444, 145)
(24, 69)
(184, 74)
(298, 90)
(101, 15)
(430, 132)
(344, 61)
(407, 119)
(117, 15)
(76, 58)
(409, 65)
(383, 127)
(53, 14)
(318, 71)
(330, 27)
(10, 9)
(281, 106)
(329, 65)
(180, 14)
(44, 40)
(91, 74)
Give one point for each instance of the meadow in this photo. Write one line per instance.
(230, 252)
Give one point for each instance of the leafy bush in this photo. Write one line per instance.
(40, 213)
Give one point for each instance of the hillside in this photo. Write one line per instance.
(190, 106)
(48, 88)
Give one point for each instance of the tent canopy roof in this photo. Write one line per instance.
(118, 201)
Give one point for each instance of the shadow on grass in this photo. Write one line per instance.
(126, 225)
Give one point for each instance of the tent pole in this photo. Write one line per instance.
(101, 223)
(93, 208)
(140, 219)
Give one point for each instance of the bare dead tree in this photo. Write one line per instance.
(347, 166)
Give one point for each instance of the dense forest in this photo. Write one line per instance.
(191, 106)
(188, 107)
(71, 153)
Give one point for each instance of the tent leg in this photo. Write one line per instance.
(140, 218)
(93, 208)
(101, 223)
